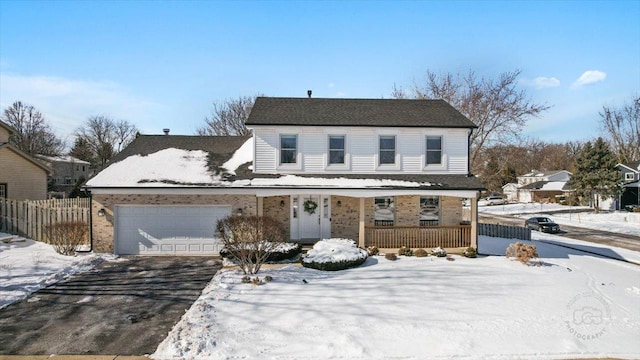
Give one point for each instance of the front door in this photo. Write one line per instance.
(310, 217)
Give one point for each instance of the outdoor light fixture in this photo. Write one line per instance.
(101, 212)
(239, 212)
(339, 203)
(281, 203)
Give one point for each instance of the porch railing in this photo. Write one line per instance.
(418, 236)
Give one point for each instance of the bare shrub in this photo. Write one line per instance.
(405, 251)
(522, 252)
(250, 239)
(372, 250)
(420, 253)
(391, 256)
(65, 237)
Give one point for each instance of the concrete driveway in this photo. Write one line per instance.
(125, 307)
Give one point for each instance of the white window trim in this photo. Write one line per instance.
(397, 159)
(443, 161)
(347, 163)
(629, 178)
(289, 166)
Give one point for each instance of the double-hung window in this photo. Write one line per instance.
(434, 150)
(387, 149)
(336, 149)
(288, 149)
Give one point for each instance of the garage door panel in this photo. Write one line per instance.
(167, 230)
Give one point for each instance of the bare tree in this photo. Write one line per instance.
(33, 133)
(105, 137)
(622, 126)
(496, 106)
(228, 117)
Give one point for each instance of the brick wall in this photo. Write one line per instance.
(345, 219)
(450, 210)
(271, 207)
(103, 225)
(407, 210)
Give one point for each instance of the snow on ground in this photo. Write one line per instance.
(574, 305)
(29, 266)
(620, 221)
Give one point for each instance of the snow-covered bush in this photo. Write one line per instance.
(250, 239)
(420, 253)
(391, 256)
(522, 252)
(334, 254)
(405, 251)
(439, 252)
(470, 252)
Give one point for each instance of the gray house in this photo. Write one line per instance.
(630, 179)
(67, 171)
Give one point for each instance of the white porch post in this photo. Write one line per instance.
(474, 222)
(260, 206)
(361, 225)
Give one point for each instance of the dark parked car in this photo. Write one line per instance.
(543, 224)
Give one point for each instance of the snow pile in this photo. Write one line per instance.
(487, 307)
(177, 167)
(334, 250)
(243, 155)
(528, 208)
(28, 266)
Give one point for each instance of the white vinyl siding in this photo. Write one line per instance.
(361, 150)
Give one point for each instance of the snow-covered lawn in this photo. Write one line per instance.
(575, 305)
(28, 266)
(620, 221)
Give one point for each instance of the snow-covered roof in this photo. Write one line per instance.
(537, 173)
(224, 162)
(67, 159)
(547, 186)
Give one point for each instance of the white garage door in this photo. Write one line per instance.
(168, 230)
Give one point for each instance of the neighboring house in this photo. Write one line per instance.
(543, 186)
(630, 179)
(21, 176)
(67, 171)
(510, 191)
(382, 172)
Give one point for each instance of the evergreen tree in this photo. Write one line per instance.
(596, 176)
(81, 150)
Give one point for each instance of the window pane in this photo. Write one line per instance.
(288, 142)
(434, 157)
(384, 211)
(430, 209)
(434, 142)
(387, 157)
(336, 142)
(336, 157)
(287, 156)
(325, 205)
(387, 143)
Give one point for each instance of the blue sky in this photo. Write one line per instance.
(161, 64)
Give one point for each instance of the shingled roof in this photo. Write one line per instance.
(356, 112)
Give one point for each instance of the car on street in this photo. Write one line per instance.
(492, 200)
(543, 224)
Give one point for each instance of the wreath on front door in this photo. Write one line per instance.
(310, 206)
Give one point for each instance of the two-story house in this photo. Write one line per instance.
(21, 176)
(630, 180)
(67, 172)
(538, 186)
(382, 172)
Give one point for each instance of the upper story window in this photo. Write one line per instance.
(628, 176)
(288, 149)
(336, 149)
(434, 150)
(387, 148)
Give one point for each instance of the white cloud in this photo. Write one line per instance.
(589, 77)
(542, 82)
(331, 85)
(66, 103)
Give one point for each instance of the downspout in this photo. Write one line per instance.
(90, 224)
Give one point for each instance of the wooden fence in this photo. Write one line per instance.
(504, 231)
(30, 218)
(418, 236)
